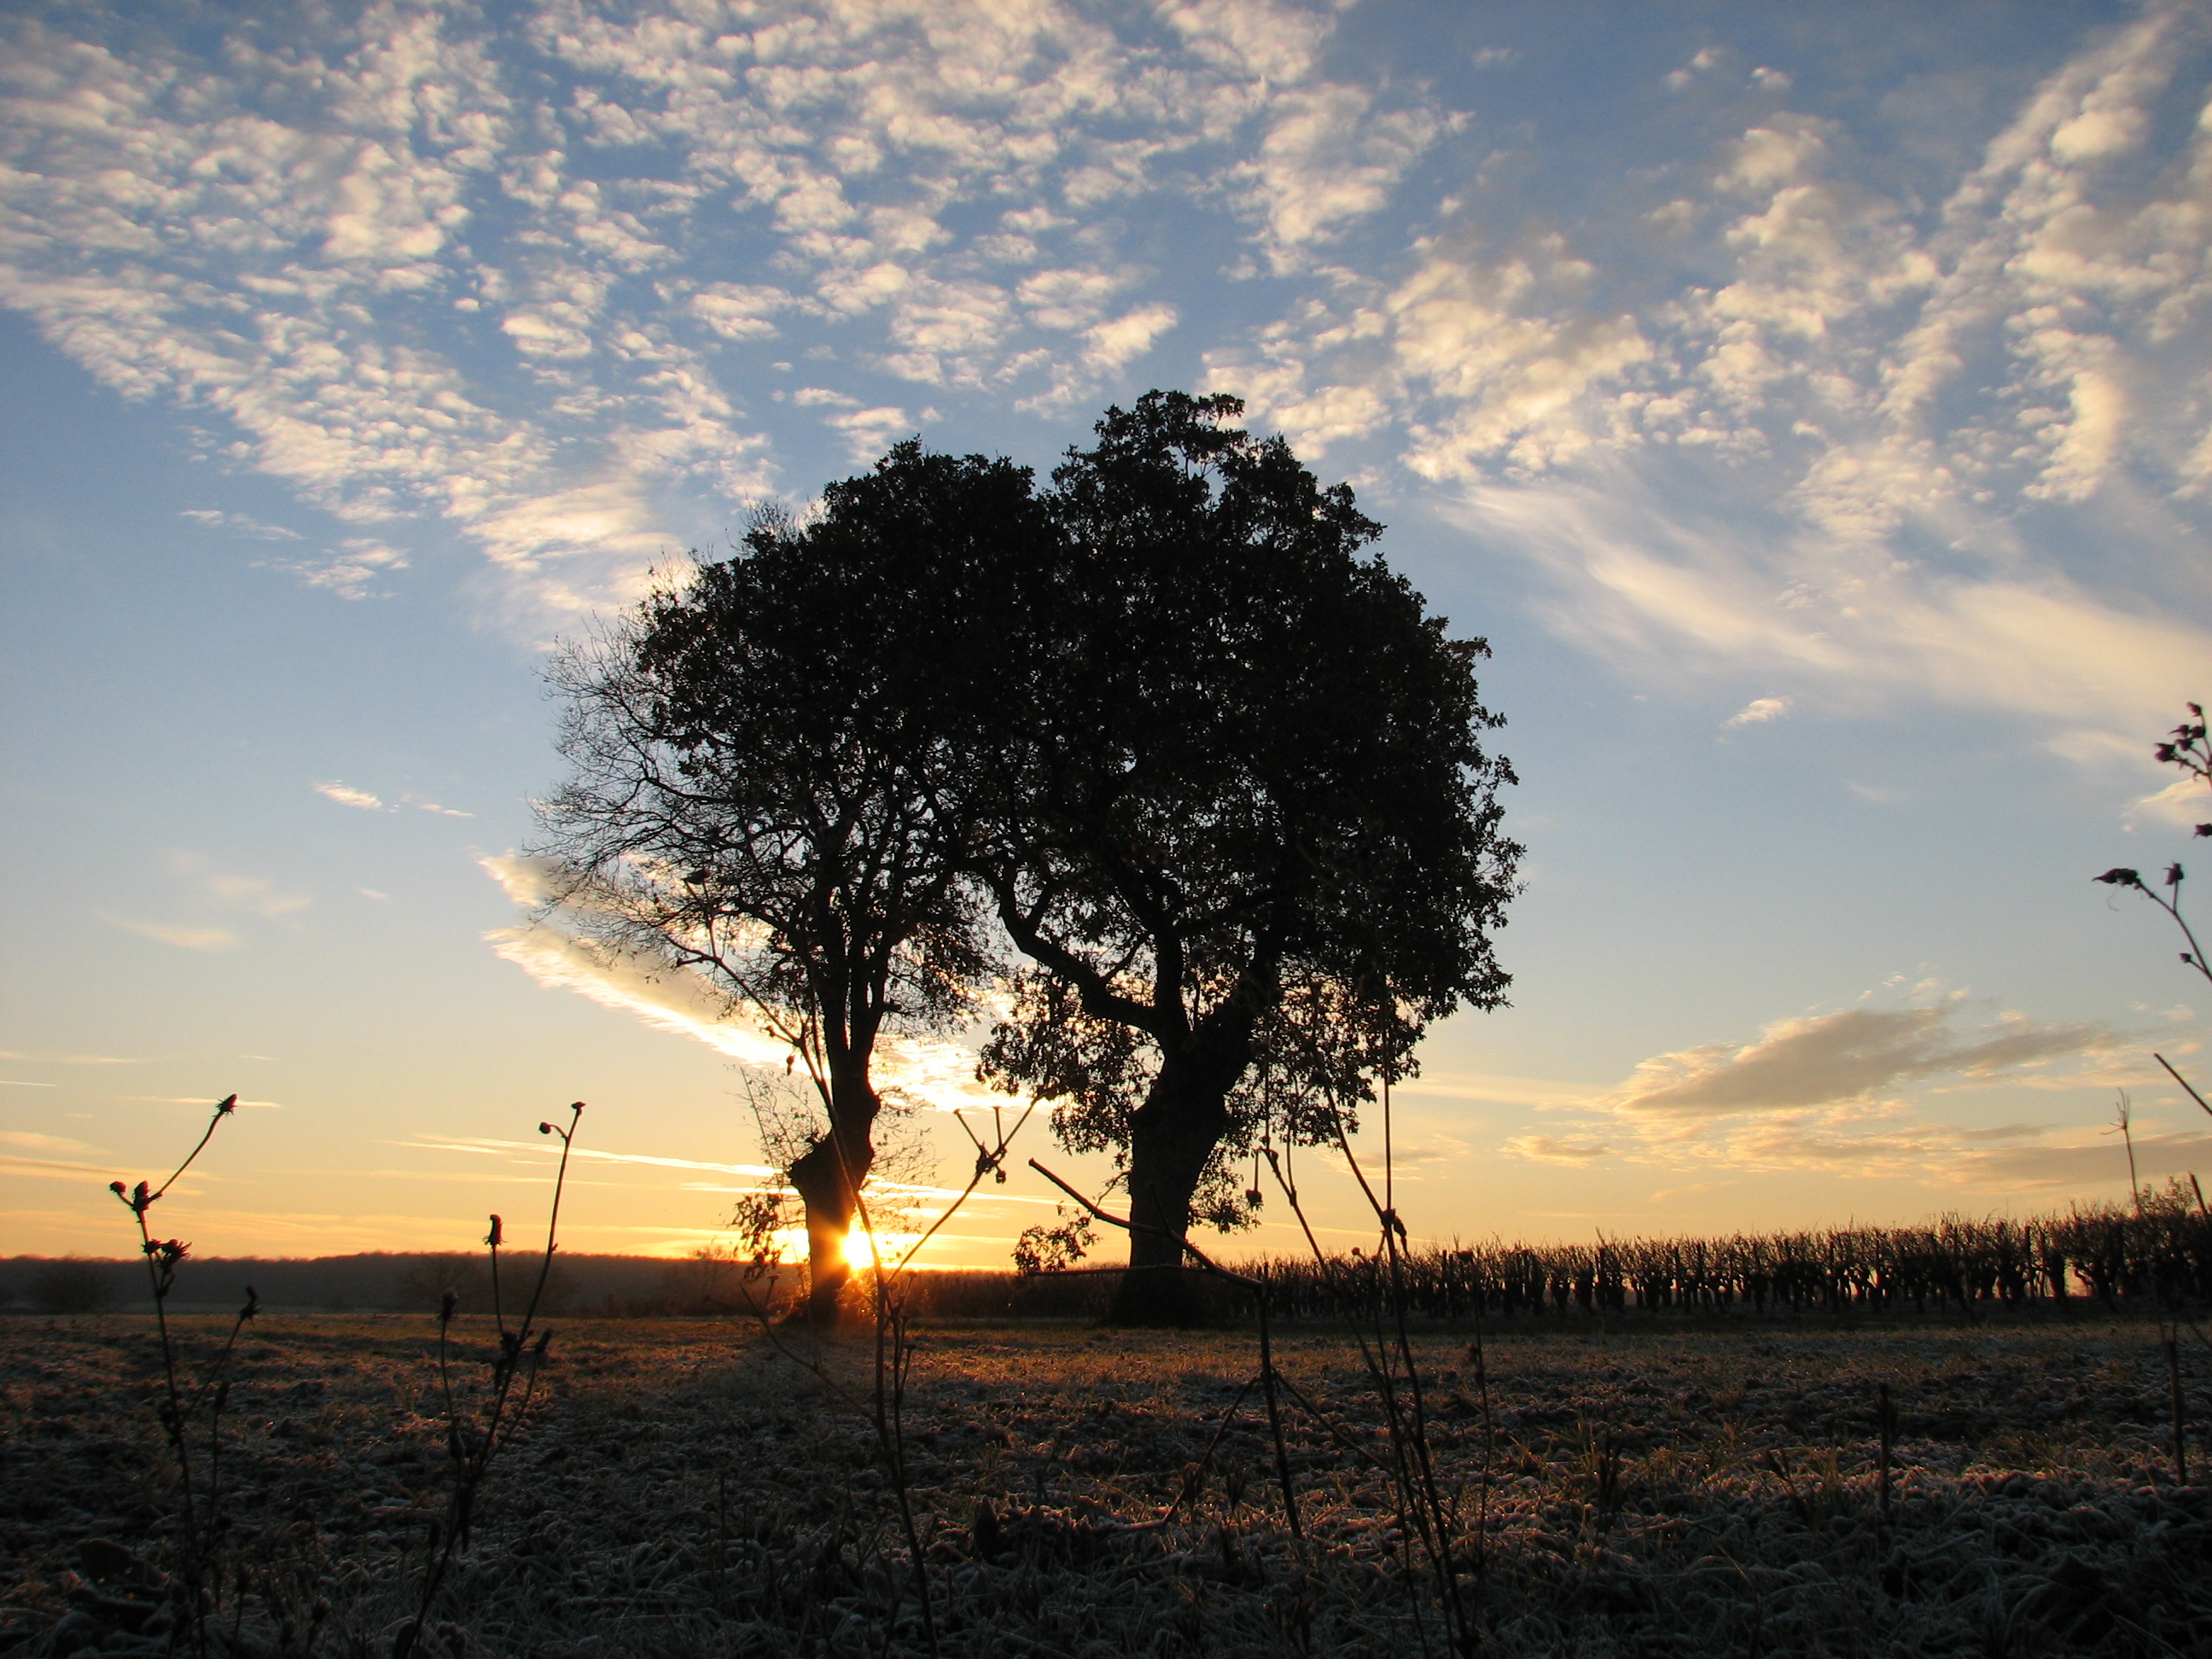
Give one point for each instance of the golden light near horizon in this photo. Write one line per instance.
(862, 1253)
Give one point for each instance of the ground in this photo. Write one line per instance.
(1657, 1484)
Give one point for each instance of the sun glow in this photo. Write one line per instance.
(860, 1255)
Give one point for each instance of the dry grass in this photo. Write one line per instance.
(685, 1488)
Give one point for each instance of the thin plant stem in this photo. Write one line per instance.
(2184, 1082)
(471, 1449)
(1258, 1287)
(161, 1257)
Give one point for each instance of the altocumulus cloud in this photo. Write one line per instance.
(1789, 400)
(1862, 446)
(429, 262)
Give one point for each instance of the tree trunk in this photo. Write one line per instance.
(1171, 1136)
(829, 1176)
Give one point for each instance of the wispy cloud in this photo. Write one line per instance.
(1757, 712)
(352, 570)
(1571, 1149)
(437, 301)
(32, 1141)
(539, 1151)
(45, 1058)
(200, 1100)
(347, 795)
(1859, 1092)
(1827, 463)
(45, 1169)
(2184, 801)
(185, 938)
(929, 1072)
(239, 524)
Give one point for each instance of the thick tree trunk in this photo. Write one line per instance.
(829, 1176)
(1171, 1136)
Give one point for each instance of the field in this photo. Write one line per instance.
(1694, 1485)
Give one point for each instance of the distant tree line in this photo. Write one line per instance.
(375, 1282)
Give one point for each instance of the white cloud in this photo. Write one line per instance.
(418, 297)
(870, 432)
(1757, 711)
(239, 522)
(2184, 801)
(346, 795)
(1108, 345)
(737, 311)
(1328, 156)
(1823, 459)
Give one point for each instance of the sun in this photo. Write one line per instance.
(860, 1257)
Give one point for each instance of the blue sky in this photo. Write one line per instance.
(1813, 405)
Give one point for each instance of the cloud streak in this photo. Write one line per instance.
(1851, 1055)
(931, 1073)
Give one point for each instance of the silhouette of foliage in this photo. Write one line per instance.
(759, 792)
(1240, 818)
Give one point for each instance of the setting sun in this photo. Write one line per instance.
(861, 1256)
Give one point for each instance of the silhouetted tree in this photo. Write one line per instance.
(761, 794)
(1240, 816)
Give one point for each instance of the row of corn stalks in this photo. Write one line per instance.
(2156, 1253)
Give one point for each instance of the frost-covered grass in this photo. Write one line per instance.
(686, 1488)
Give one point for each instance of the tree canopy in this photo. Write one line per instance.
(761, 793)
(1236, 812)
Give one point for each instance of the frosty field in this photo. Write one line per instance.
(1693, 1486)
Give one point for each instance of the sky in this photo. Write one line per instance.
(1812, 406)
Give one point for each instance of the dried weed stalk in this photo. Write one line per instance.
(200, 1580)
(1429, 1518)
(474, 1439)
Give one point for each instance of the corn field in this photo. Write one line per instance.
(2158, 1255)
